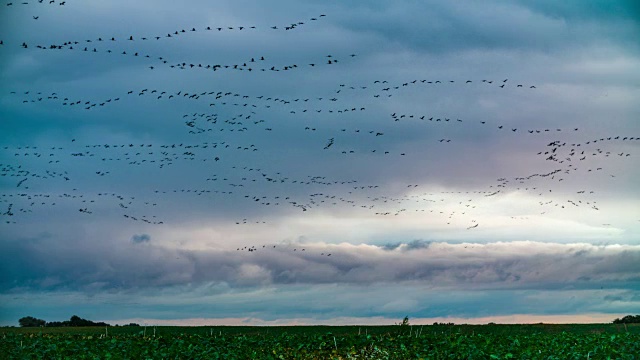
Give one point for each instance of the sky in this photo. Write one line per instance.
(319, 162)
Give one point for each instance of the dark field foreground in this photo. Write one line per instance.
(540, 341)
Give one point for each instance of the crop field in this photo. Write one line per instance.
(593, 341)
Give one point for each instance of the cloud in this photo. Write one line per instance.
(499, 265)
(445, 27)
(320, 304)
(140, 238)
(391, 222)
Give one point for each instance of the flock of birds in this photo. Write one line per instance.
(112, 45)
(219, 121)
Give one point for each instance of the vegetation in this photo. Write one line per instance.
(629, 319)
(30, 321)
(405, 322)
(539, 341)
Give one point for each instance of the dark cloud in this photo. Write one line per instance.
(418, 244)
(519, 265)
(626, 10)
(140, 238)
(437, 27)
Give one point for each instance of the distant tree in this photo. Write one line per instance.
(75, 321)
(78, 321)
(132, 324)
(629, 319)
(30, 321)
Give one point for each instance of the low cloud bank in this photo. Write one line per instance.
(500, 265)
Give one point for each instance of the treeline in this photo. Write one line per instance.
(629, 319)
(74, 321)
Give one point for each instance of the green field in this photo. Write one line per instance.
(539, 341)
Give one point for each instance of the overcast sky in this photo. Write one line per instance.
(305, 162)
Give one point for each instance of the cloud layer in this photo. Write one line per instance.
(440, 159)
(522, 265)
